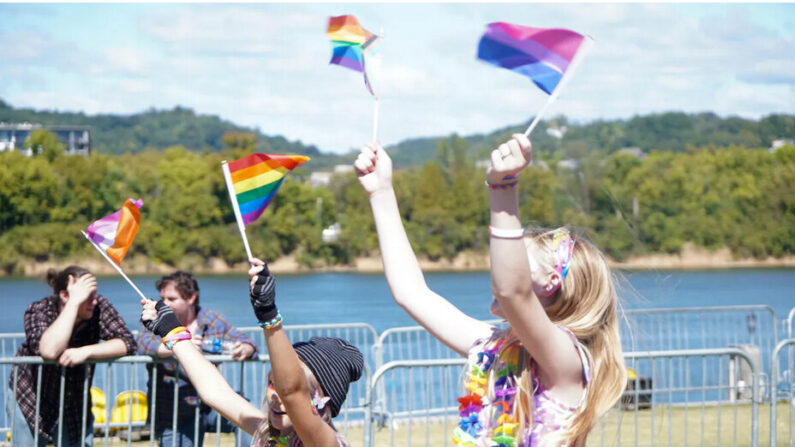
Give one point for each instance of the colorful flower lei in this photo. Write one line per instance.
(479, 416)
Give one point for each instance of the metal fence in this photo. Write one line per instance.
(783, 397)
(703, 407)
(701, 369)
(123, 408)
(753, 327)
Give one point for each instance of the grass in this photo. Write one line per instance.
(677, 426)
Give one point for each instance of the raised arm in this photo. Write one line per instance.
(205, 377)
(511, 278)
(403, 274)
(289, 379)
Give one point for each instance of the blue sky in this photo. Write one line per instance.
(266, 65)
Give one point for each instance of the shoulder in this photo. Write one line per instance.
(42, 305)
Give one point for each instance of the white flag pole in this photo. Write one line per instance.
(375, 121)
(586, 45)
(231, 189)
(116, 266)
(376, 105)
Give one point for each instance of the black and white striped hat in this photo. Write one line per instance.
(335, 364)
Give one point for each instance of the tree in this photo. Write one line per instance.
(44, 142)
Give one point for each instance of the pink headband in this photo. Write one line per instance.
(562, 250)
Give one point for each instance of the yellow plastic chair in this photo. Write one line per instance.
(121, 409)
(98, 403)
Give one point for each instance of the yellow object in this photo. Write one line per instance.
(98, 403)
(121, 409)
(631, 374)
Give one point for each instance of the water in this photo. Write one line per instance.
(322, 298)
(332, 298)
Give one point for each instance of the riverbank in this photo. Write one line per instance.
(690, 258)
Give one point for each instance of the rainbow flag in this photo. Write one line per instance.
(115, 233)
(542, 54)
(350, 43)
(256, 178)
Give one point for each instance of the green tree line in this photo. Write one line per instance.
(734, 197)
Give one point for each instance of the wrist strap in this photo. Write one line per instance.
(274, 323)
(177, 334)
(506, 233)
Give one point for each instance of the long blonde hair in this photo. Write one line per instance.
(587, 304)
(264, 432)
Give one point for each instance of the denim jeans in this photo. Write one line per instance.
(22, 435)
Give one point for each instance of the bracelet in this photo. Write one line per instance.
(177, 334)
(506, 233)
(274, 323)
(512, 181)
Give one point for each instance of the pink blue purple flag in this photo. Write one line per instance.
(541, 54)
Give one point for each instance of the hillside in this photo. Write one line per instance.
(671, 131)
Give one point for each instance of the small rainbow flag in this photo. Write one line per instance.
(256, 178)
(115, 233)
(542, 54)
(350, 44)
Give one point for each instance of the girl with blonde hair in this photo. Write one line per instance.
(557, 367)
(307, 383)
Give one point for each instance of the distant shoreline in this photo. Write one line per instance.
(690, 258)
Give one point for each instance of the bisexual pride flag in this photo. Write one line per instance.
(541, 54)
(254, 180)
(350, 43)
(113, 235)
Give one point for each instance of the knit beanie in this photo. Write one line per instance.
(335, 364)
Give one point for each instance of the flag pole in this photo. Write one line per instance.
(231, 189)
(116, 266)
(375, 121)
(587, 43)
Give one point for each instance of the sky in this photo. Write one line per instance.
(266, 66)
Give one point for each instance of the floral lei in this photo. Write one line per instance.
(475, 408)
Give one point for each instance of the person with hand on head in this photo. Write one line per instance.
(548, 376)
(307, 383)
(211, 333)
(69, 327)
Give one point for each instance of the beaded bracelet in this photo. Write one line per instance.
(274, 323)
(512, 181)
(177, 334)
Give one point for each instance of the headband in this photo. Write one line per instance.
(562, 250)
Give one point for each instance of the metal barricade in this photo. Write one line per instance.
(673, 391)
(753, 328)
(790, 319)
(783, 381)
(123, 383)
(420, 406)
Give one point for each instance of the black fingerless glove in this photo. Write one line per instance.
(263, 296)
(165, 322)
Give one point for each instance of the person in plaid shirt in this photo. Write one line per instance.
(180, 291)
(67, 328)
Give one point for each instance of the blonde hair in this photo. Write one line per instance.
(264, 432)
(587, 304)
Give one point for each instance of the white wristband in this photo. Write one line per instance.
(506, 233)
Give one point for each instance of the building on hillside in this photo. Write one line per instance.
(323, 178)
(633, 151)
(77, 139)
(780, 143)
